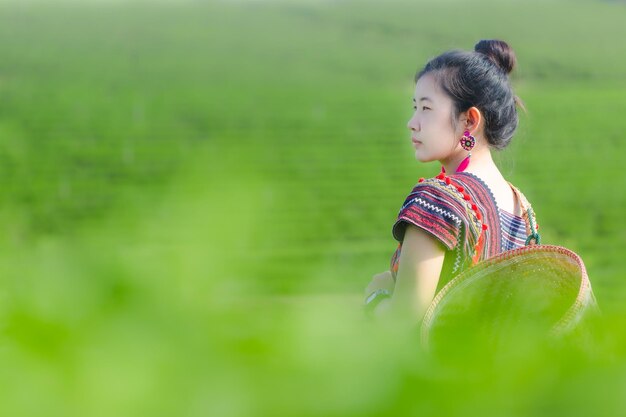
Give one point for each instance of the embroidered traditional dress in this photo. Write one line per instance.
(461, 212)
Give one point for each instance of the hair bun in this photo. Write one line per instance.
(499, 52)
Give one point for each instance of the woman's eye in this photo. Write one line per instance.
(425, 108)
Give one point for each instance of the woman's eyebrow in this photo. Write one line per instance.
(423, 99)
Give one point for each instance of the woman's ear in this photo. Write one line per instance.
(472, 119)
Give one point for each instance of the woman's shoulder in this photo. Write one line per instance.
(441, 205)
(436, 191)
(432, 206)
(473, 183)
(457, 189)
(501, 193)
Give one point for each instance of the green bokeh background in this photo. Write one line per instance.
(194, 195)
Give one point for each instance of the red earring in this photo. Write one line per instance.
(467, 142)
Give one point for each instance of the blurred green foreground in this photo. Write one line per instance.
(193, 197)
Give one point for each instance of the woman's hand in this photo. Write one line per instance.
(378, 293)
(384, 280)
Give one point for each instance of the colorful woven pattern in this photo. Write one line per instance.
(460, 212)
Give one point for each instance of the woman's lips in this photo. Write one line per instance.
(416, 142)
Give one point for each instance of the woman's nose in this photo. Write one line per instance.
(412, 124)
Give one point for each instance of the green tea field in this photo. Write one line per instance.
(193, 196)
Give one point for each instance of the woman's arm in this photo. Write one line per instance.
(420, 265)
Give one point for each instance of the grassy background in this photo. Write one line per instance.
(193, 196)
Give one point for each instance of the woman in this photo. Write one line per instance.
(464, 107)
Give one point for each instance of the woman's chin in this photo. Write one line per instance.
(420, 157)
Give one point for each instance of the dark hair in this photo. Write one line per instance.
(480, 79)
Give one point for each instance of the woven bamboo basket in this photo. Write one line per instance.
(539, 287)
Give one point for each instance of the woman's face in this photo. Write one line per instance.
(433, 136)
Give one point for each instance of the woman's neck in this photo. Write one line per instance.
(480, 163)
